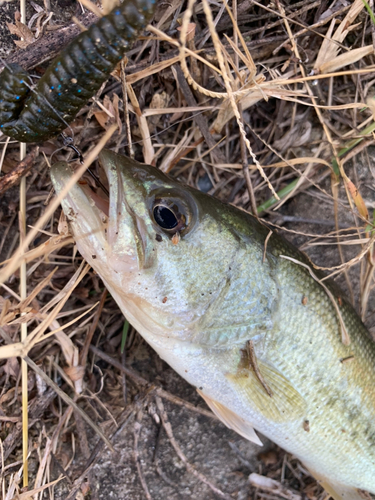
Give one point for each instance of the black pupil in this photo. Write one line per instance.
(165, 217)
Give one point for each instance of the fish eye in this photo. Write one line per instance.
(169, 215)
(165, 217)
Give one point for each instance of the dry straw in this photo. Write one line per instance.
(254, 87)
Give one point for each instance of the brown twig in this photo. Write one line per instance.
(137, 433)
(198, 118)
(93, 325)
(49, 45)
(23, 167)
(159, 470)
(81, 431)
(67, 399)
(245, 169)
(127, 414)
(168, 429)
(274, 487)
(126, 110)
(37, 407)
(143, 382)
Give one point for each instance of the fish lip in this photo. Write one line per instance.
(118, 235)
(77, 199)
(86, 219)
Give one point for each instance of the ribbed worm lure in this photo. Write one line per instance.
(72, 78)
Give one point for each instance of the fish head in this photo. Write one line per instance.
(163, 250)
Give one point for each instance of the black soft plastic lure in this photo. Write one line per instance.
(72, 78)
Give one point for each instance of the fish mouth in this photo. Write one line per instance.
(87, 218)
(104, 225)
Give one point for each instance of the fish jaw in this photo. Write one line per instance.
(117, 239)
(87, 222)
(115, 245)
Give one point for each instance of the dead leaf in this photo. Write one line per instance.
(63, 227)
(159, 101)
(345, 59)
(12, 368)
(82, 291)
(9, 395)
(23, 32)
(190, 31)
(107, 116)
(75, 373)
(151, 70)
(273, 486)
(269, 457)
(298, 136)
(85, 488)
(330, 48)
(102, 118)
(5, 308)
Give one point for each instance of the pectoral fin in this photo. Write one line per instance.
(232, 420)
(272, 395)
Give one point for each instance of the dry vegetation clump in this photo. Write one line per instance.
(268, 106)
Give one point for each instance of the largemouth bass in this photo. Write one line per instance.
(237, 314)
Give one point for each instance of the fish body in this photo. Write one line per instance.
(226, 307)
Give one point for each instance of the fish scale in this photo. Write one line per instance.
(257, 335)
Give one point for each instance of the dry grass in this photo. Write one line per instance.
(279, 102)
